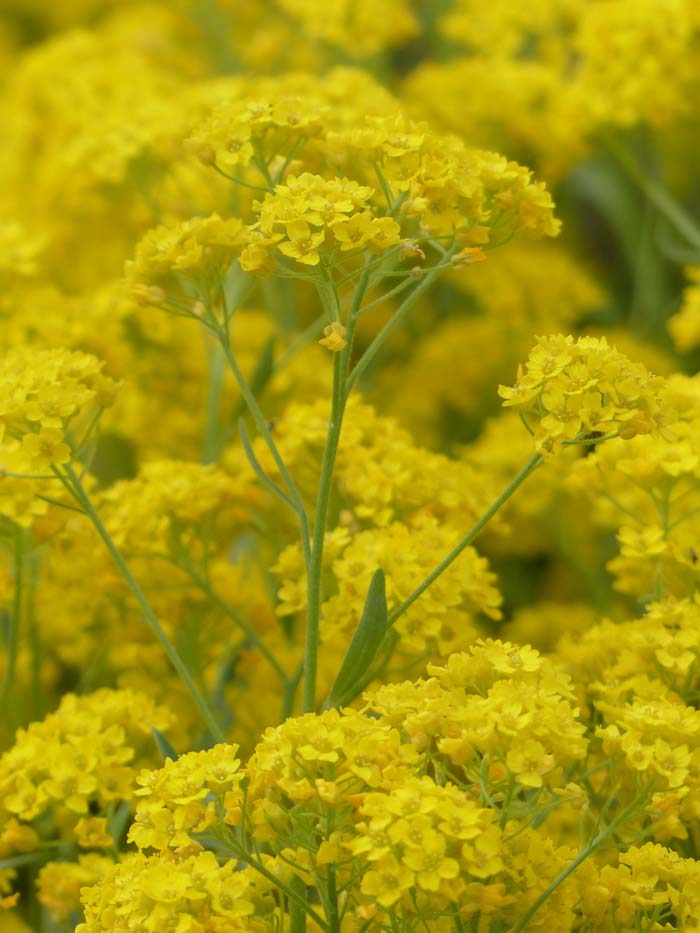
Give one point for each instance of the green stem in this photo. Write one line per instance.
(75, 487)
(339, 399)
(331, 886)
(319, 529)
(296, 890)
(35, 647)
(212, 440)
(602, 836)
(261, 423)
(505, 806)
(13, 634)
(332, 893)
(533, 463)
(659, 197)
(237, 181)
(386, 296)
(289, 694)
(396, 319)
(297, 915)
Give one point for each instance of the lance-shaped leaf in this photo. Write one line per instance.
(364, 646)
(164, 746)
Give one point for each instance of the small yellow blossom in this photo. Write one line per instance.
(334, 337)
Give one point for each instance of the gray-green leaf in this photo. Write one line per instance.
(364, 646)
(164, 746)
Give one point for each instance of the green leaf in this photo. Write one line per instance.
(264, 367)
(364, 646)
(6, 627)
(164, 746)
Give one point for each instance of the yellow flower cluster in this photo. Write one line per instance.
(647, 492)
(497, 705)
(581, 390)
(354, 24)
(43, 394)
(206, 245)
(60, 883)
(233, 134)
(182, 798)
(194, 893)
(307, 240)
(426, 837)
(174, 501)
(307, 212)
(83, 755)
(560, 71)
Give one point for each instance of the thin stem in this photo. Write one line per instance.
(212, 440)
(259, 418)
(73, 484)
(290, 690)
(386, 190)
(659, 197)
(261, 163)
(290, 155)
(295, 890)
(319, 530)
(340, 394)
(390, 294)
(297, 916)
(396, 318)
(13, 635)
(260, 473)
(237, 181)
(602, 836)
(533, 463)
(331, 888)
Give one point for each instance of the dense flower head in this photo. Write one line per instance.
(448, 186)
(584, 388)
(234, 129)
(173, 500)
(180, 799)
(85, 753)
(60, 883)
(283, 642)
(42, 393)
(201, 245)
(328, 758)
(194, 893)
(432, 837)
(497, 702)
(322, 163)
(308, 213)
(355, 24)
(650, 881)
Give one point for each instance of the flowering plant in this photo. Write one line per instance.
(301, 628)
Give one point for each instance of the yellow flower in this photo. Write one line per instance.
(45, 449)
(302, 245)
(92, 833)
(387, 881)
(334, 337)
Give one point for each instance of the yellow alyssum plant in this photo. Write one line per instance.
(255, 306)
